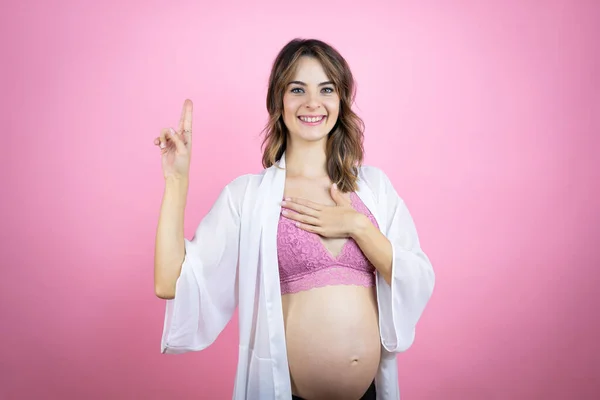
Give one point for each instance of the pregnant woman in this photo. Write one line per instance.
(318, 251)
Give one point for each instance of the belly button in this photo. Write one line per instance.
(354, 361)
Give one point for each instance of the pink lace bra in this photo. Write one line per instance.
(305, 262)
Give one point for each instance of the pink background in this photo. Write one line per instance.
(484, 114)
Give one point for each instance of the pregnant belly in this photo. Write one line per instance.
(333, 343)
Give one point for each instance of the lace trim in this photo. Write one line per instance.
(328, 277)
(305, 262)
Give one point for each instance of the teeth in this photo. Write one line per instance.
(311, 119)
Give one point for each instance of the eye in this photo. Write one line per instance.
(297, 90)
(328, 90)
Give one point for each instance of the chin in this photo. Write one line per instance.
(311, 136)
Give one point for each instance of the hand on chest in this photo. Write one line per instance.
(316, 214)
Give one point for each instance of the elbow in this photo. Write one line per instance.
(427, 274)
(165, 283)
(430, 279)
(164, 291)
(166, 275)
(164, 294)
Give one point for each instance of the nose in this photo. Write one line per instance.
(312, 102)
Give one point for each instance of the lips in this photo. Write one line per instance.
(311, 118)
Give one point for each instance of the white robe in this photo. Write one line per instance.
(232, 262)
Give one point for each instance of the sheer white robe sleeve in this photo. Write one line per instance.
(402, 303)
(206, 290)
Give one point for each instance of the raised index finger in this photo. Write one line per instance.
(185, 122)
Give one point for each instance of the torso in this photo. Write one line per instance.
(332, 332)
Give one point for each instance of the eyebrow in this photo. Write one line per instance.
(304, 84)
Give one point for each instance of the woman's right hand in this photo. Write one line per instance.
(176, 146)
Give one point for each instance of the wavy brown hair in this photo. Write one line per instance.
(345, 140)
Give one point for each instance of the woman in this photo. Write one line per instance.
(318, 251)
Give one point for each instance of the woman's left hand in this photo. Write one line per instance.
(337, 221)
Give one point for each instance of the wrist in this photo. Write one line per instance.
(177, 184)
(360, 226)
(176, 180)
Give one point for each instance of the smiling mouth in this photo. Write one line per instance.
(311, 120)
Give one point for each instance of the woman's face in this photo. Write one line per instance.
(311, 104)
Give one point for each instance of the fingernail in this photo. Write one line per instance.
(162, 145)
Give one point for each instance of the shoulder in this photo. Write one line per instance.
(239, 186)
(380, 185)
(242, 182)
(246, 186)
(374, 177)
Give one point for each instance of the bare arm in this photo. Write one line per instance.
(374, 245)
(169, 249)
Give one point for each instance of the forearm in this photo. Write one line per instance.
(169, 249)
(375, 246)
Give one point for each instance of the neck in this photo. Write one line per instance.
(306, 159)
